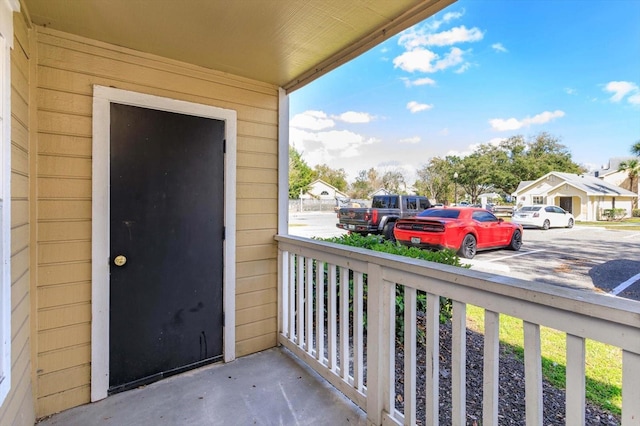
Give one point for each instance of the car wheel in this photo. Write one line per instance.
(387, 232)
(546, 225)
(570, 224)
(516, 240)
(468, 247)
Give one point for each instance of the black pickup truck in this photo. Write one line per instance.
(382, 216)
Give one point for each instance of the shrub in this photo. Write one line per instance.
(613, 214)
(635, 212)
(377, 243)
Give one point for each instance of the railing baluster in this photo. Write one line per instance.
(320, 289)
(459, 363)
(300, 304)
(410, 326)
(309, 305)
(291, 296)
(532, 374)
(358, 328)
(432, 371)
(491, 368)
(332, 321)
(630, 388)
(283, 301)
(344, 323)
(575, 373)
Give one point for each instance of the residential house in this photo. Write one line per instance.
(611, 173)
(321, 190)
(584, 196)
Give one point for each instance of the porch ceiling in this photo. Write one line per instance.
(287, 43)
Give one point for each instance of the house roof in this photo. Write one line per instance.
(287, 43)
(591, 185)
(321, 182)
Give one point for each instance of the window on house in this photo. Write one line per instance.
(324, 193)
(538, 199)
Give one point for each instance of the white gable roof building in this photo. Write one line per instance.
(584, 196)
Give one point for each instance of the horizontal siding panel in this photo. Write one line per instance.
(64, 145)
(69, 251)
(250, 144)
(256, 344)
(49, 384)
(19, 238)
(257, 236)
(65, 124)
(63, 400)
(257, 160)
(64, 166)
(20, 391)
(59, 338)
(65, 102)
(20, 344)
(64, 209)
(255, 329)
(253, 129)
(63, 316)
(64, 294)
(19, 314)
(19, 212)
(64, 273)
(20, 34)
(19, 107)
(19, 265)
(19, 186)
(248, 206)
(257, 176)
(249, 253)
(251, 284)
(256, 190)
(257, 221)
(19, 79)
(20, 290)
(62, 359)
(64, 188)
(64, 231)
(254, 315)
(256, 298)
(19, 134)
(109, 64)
(256, 268)
(19, 160)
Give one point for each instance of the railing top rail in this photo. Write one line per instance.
(586, 303)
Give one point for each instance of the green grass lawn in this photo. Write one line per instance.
(603, 362)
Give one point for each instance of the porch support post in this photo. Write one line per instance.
(380, 343)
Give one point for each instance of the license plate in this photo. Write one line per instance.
(415, 240)
(351, 227)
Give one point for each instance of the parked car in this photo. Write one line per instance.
(464, 229)
(543, 216)
(380, 218)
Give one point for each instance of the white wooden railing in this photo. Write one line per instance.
(313, 329)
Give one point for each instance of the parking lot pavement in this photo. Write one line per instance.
(588, 258)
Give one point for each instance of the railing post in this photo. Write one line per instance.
(630, 389)
(380, 335)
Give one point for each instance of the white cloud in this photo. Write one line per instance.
(312, 120)
(424, 36)
(424, 60)
(426, 81)
(570, 91)
(355, 117)
(433, 24)
(503, 125)
(412, 140)
(414, 107)
(620, 89)
(498, 47)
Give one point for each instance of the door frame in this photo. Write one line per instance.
(102, 99)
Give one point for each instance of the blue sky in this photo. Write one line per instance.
(477, 72)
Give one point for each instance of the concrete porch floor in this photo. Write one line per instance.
(268, 388)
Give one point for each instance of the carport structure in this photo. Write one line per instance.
(98, 94)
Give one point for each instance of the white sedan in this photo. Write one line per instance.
(543, 216)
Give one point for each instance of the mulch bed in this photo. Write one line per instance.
(511, 407)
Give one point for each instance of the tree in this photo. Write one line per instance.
(635, 149)
(632, 168)
(300, 174)
(361, 188)
(335, 178)
(394, 182)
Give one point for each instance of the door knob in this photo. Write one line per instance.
(120, 260)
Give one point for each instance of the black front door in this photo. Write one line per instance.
(566, 204)
(166, 233)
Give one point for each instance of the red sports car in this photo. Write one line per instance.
(464, 229)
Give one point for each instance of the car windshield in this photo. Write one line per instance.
(441, 213)
(530, 209)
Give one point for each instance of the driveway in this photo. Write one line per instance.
(582, 257)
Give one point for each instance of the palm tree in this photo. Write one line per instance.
(635, 148)
(632, 167)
